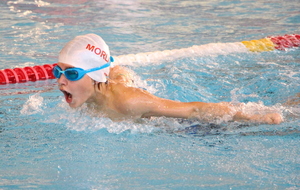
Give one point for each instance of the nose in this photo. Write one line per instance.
(62, 80)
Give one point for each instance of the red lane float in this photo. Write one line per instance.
(25, 74)
(286, 41)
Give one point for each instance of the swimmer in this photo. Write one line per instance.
(85, 74)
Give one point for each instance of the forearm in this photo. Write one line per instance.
(226, 111)
(212, 111)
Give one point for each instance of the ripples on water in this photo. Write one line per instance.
(38, 29)
(45, 144)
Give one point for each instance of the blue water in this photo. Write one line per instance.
(46, 145)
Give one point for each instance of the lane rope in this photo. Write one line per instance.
(44, 72)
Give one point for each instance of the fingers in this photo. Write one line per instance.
(273, 118)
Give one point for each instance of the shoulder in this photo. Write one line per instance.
(127, 92)
(131, 100)
(121, 75)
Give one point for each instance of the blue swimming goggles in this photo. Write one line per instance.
(74, 74)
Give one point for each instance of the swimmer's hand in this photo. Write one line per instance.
(270, 118)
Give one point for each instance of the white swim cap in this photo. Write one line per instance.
(86, 52)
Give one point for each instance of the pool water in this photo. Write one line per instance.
(47, 145)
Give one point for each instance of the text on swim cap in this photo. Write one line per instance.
(97, 51)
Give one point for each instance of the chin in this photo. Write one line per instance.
(74, 105)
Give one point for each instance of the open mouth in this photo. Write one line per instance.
(68, 96)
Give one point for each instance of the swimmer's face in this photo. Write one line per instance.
(76, 92)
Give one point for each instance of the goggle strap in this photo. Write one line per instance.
(98, 68)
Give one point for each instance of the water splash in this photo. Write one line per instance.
(33, 105)
(58, 111)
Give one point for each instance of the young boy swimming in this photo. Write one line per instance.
(85, 75)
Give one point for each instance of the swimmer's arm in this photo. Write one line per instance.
(140, 103)
(200, 110)
(209, 112)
